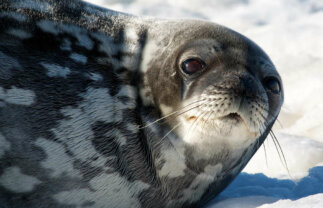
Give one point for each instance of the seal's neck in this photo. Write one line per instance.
(182, 174)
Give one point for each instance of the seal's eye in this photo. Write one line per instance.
(192, 65)
(272, 84)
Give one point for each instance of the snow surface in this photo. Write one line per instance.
(291, 32)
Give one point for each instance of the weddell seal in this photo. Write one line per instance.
(104, 109)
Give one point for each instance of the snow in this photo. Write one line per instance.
(291, 32)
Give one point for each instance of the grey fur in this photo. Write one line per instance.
(78, 81)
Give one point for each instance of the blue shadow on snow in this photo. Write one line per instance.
(260, 185)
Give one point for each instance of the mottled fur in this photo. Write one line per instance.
(78, 81)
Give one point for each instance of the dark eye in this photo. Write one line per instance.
(272, 84)
(192, 65)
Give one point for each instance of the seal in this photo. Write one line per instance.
(104, 109)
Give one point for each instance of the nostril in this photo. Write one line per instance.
(272, 84)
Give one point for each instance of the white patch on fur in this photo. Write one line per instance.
(128, 91)
(76, 129)
(57, 160)
(207, 144)
(145, 92)
(174, 165)
(66, 45)
(48, 26)
(79, 58)
(122, 140)
(107, 45)
(131, 46)
(21, 34)
(17, 96)
(4, 145)
(40, 6)
(80, 34)
(132, 127)
(75, 132)
(131, 40)
(130, 62)
(109, 189)
(7, 64)
(100, 106)
(95, 76)
(14, 180)
(148, 54)
(166, 109)
(201, 182)
(55, 70)
(17, 16)
(131, 34)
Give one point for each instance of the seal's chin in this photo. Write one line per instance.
(238, 120)
(209, 135)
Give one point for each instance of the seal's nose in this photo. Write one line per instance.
(248, 86)
(241, 85)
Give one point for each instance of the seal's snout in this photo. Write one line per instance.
(241, 85)
(237, 99)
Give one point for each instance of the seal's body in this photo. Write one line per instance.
(103, 109)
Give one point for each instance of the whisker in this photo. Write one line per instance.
(205, 121)
(279, 150)
(269, 113)
(260, 106)
(176, 126)
(218, 58)
(283, 155)
(265, 154)
(260, 125)
(276, 146)
(264, 117)
(280, 124)
(193, 126)
(263, 126)
(170, 114)
(257, 143)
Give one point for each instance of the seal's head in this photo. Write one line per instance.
(224, 89)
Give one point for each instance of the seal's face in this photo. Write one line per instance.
(229, 94)
(229, 101)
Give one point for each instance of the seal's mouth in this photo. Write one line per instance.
(229, 117)
(232, 116)
(231, 120)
